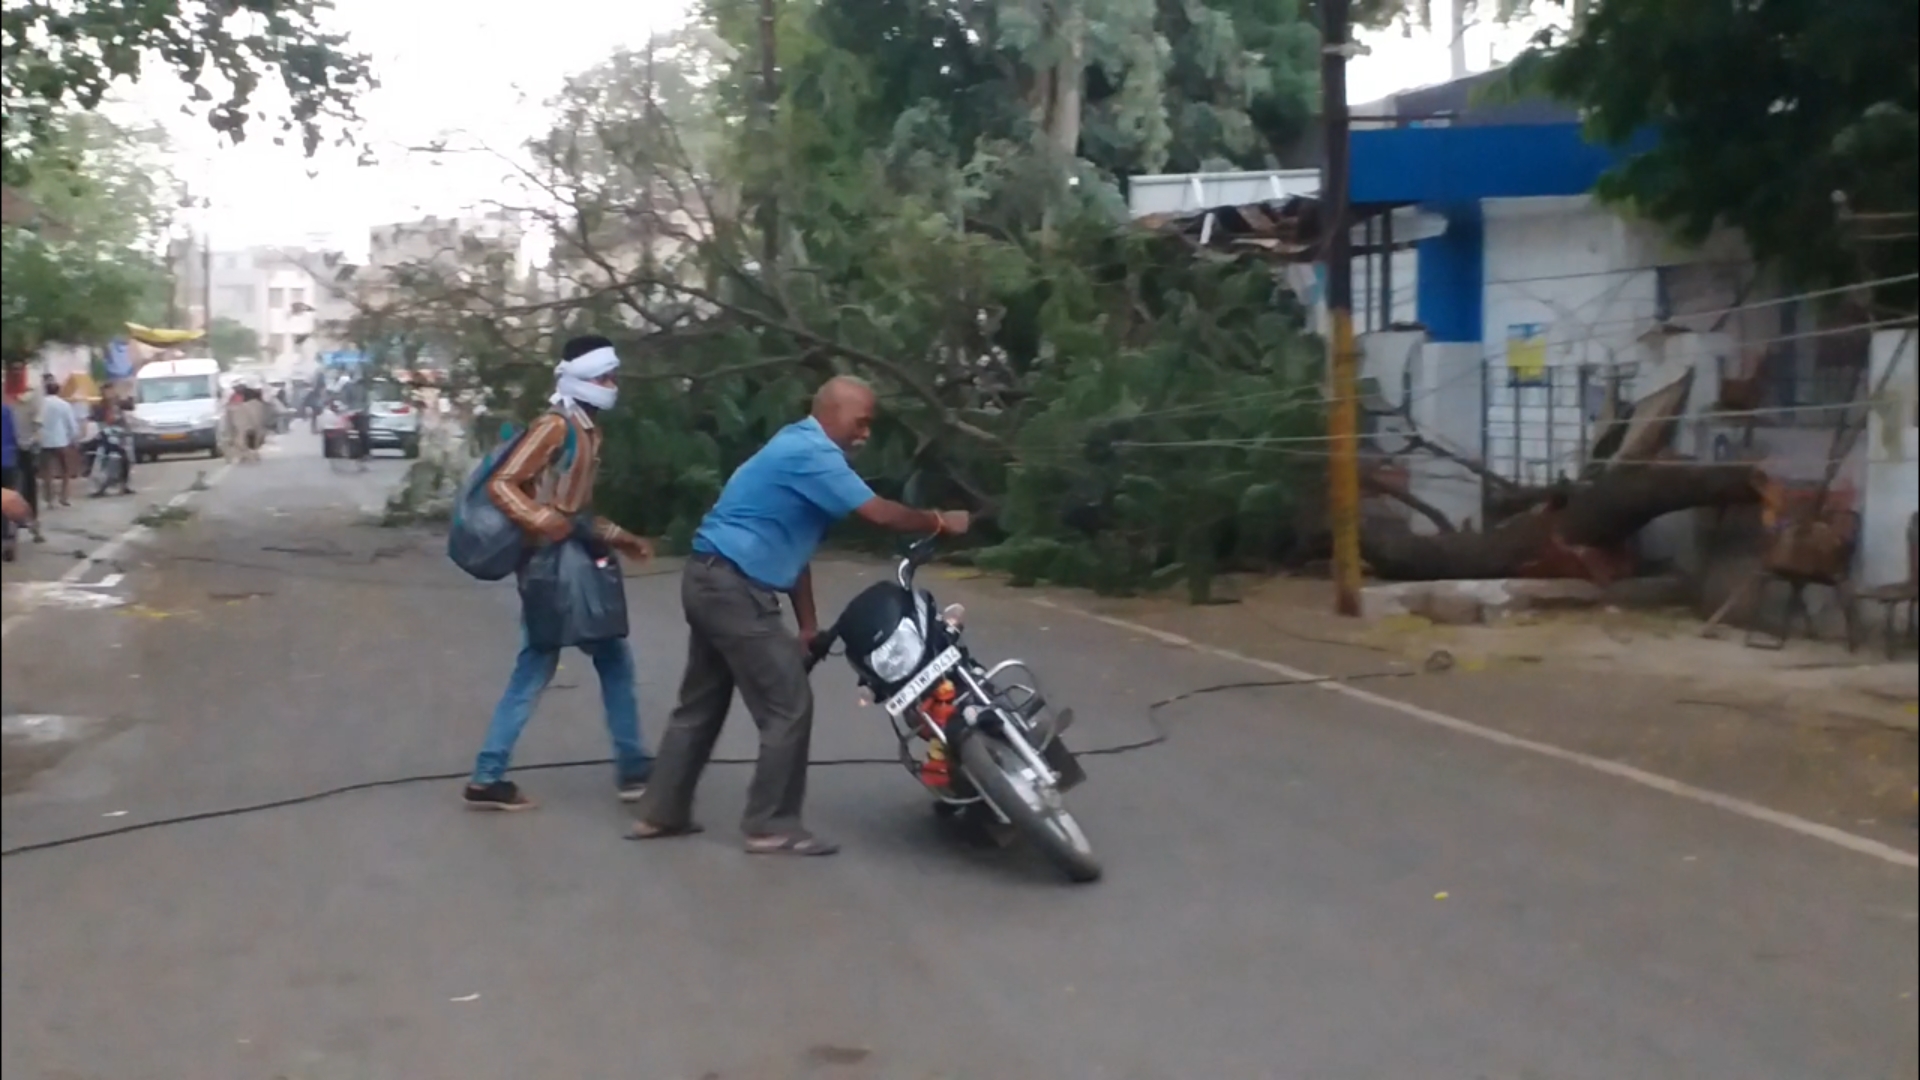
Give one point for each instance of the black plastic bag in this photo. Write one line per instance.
(573, 593)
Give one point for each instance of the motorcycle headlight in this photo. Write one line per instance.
(899, 654)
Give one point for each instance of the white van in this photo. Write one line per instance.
(176, 408)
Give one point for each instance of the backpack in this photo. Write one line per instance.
(484, 541)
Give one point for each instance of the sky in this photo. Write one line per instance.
(473, 73)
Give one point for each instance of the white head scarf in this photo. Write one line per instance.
(575, 385)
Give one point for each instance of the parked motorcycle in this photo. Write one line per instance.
(993, 721)
(107, 458)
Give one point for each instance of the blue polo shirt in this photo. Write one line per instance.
(778, 506)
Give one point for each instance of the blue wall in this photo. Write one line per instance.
(1451, 275)
(1448, 170)
(1452, 165)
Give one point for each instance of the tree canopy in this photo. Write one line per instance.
(63, 55)
(230, 340)
(1768, 115)
(929, 197)
(82, 261)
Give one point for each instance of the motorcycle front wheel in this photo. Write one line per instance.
(1031, 803)
(101, 474)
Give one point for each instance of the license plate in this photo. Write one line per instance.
(910, 694)
(174, 436)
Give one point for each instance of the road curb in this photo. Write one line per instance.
(111, 549)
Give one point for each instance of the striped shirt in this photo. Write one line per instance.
(533, 486)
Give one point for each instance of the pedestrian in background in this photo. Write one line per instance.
(755, 544)
(24, 478)
(59, 443)
(9, 476)
(544, 484)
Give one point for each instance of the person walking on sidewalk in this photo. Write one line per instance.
(23, 465)
(9, 476)
(542, 484)
(756, 543)
(59, 443)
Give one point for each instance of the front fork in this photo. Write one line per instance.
(1055, 762)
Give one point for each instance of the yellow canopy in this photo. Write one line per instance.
(147, 335)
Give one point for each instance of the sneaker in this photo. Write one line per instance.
(499, 795)
(631, 790)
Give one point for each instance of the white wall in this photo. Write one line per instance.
(1575, 271)
(1437, 387)
(1892, 485)
(287, 285)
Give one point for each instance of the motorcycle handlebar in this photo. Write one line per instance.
(818, 648)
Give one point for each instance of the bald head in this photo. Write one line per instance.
(844, 407)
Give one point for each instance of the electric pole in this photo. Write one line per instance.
(206, 279)
(769, 102)
(1343, 419)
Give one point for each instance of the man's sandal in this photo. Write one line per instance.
(647, 830)
(790, 844)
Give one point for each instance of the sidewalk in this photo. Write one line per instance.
(74, 534)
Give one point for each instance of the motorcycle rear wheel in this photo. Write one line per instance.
(1035, 810)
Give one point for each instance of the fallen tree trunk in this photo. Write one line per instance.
(1580, 532)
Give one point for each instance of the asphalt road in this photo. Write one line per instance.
(1300, 886)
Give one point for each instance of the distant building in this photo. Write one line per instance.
(286, 295)
(458, 242)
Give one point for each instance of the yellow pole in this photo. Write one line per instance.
(1343, 418)
(1343, 474)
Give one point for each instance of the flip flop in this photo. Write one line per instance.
(791, 844)
(662, 832)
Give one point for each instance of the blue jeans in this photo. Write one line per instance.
(531, 674)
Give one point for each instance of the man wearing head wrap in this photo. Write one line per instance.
(756, 543)
(542, 484)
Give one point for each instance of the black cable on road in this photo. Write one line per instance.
(1159, 735)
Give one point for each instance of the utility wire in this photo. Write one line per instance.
(1159, 735)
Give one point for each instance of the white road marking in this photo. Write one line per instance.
(107, 582)
(1812, 829)
(108, 551)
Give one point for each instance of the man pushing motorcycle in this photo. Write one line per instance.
(755, 544)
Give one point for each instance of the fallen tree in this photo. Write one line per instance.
(1580, 531)
(1578, 528)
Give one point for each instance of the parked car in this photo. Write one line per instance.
(395, 418)
(393, 422)
(176, 408)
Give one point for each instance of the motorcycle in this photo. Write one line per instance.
(340, 438)
(107, 458)
(993, 721)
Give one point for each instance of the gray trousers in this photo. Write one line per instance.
(736, 638)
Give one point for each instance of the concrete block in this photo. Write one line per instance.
(1447, 607)
(1554, 593)
(1397, 598)
(1460, 603)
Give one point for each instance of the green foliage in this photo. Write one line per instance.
(903, 213)
(59, 57)
(83, 262)
(229, 340)
(1765, 113)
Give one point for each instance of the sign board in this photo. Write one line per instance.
(1526, 354)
